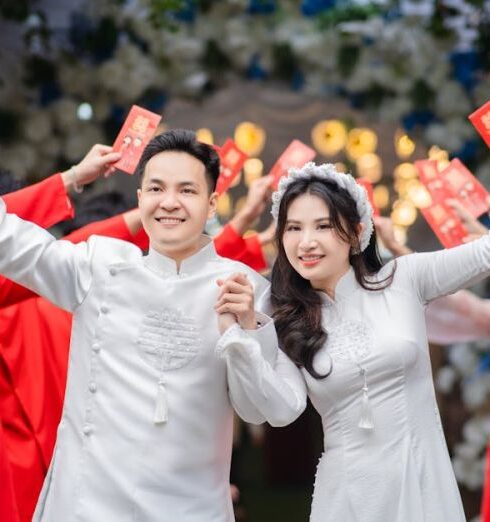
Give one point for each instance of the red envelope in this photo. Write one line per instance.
(364, 182)
(481, 121)
(466, 188)
(445, 223)
(431, 178)
(137, 130)
(296, 154)
(231, 163)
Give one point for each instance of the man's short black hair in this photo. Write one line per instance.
(182, 140)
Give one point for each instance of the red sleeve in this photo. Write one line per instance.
(229, 243)
(12, 293)
(8, 505)
(254, 254)
(248, 250)
(485, 511)
(45, 203)
(140, 239)
(112, 227)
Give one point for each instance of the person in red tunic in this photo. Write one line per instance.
(485, 507)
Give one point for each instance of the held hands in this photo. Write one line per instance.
(96, 162)
(235, 303)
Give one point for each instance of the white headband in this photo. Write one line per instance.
(328, 172)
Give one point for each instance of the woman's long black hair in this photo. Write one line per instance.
(297, 307)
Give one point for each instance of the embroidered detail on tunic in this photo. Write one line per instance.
(352, 341)
(349, 341)
(168, 339)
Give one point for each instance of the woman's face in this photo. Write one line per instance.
(312, 244)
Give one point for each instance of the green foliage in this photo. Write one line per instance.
(160, 12)
(337, 15)
(422, 95)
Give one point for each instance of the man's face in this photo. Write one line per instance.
(175, 203)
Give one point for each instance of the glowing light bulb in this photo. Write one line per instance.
(252, 169)
(404, 145)
(360, 141)
(329, 137)
(381, 196)
(205, 136)
(369, 166)
(250, 138)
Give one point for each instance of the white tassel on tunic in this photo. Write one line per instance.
(161, 406)
(366, 422)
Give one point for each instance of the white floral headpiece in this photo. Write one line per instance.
(328, 172)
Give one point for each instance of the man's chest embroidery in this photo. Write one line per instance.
(168, 339)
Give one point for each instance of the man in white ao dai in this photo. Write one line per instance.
(146, 430)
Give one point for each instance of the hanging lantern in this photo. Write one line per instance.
(405, 171)
(404, 213)
(400, 234)
(360, 141)
(381, 196)
(205, 136)
(404, 145)
(440, 155)
(250, 138)
(403, 186)
(369, 166)
(329, 137)
(419, 195)
(252, 169)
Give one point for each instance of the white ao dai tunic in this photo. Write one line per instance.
(143, 336)
(400, 470)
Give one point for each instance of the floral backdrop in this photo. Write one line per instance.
(422, 64)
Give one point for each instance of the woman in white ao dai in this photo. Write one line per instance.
(385, 457)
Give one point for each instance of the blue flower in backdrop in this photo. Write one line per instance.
(255, 71)
(298, 81)
(49, 92)
(465, 64)
(418, 117)
(188, 12)
(484, 365)
(314, 7)
(153, 100)
(97, 42)
(261, 6)
(81, 27)
(468, 151)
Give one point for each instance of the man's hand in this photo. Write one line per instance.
(258, 196)
(97, 161)
(235, 303)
